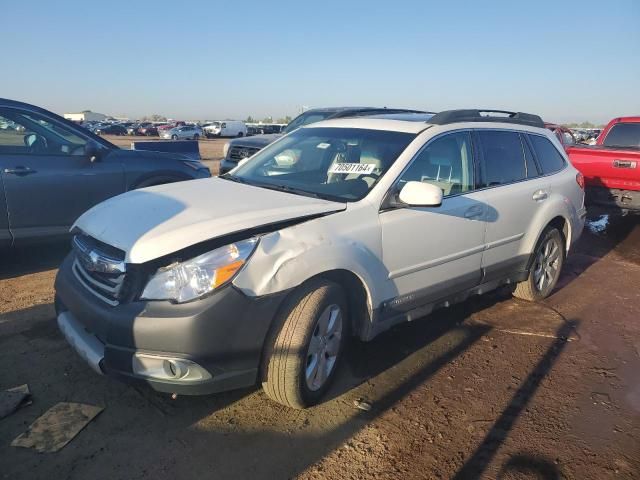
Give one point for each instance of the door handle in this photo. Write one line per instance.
(540, 195)
(473, 212)
(20, 171)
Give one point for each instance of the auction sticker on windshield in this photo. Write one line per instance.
(357, 168)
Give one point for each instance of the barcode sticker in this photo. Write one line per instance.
(355, 168)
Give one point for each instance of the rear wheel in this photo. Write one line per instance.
(174, 137)
(240, 134)
(306, 344)
(545, 267)
(196, 137)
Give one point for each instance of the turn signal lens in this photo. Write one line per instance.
(224, 274)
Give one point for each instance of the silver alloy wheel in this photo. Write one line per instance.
(547, 264)
(324, 347)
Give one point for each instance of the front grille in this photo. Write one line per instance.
(100, 268)
(240, 153)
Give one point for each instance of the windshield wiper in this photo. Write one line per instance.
(288, 189)
(233, 178)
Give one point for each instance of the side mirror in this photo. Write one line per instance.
(420, 194)
(92, 152)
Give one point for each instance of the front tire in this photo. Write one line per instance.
(174, 137)
(545, 267)
(304, 349)
(196, 137)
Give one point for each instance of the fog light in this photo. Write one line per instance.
(165, 368)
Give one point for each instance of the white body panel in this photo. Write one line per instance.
(227, 128)
(155, 221)
(393, 252)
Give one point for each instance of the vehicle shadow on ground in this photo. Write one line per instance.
(32, 259)
(602, 235)
(476, 465)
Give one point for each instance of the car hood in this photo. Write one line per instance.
(259, 141)
(156, 221)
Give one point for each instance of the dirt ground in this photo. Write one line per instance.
(210, 149)
(492, 388)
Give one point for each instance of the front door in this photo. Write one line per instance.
(49, 181)
(433, 252)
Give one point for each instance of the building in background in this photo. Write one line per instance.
(85, 116)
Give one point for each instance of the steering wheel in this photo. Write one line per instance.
(35, 143)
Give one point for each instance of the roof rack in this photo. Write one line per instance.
(455, 116)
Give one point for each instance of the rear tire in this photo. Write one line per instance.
(545, 267)
(306, 343)
(196, 137)
(174, 137)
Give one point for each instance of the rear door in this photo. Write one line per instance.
(48, 179)
(514, 191)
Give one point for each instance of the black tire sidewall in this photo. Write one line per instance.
(335, 295)
(546, 235)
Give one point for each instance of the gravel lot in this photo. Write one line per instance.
(492, 388)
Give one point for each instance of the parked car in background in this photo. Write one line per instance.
(113, 129)
(226, 128)
(169, 126)
(52, 170)
(564, 134)
(611, 167)
(342, 228)
(185, 132)
(148, 130)
(241, 148)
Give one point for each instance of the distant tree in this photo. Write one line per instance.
(250, 119)
(267, 120)
(286, 119)
(154, 118)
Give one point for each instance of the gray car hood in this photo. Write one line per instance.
(156, 221)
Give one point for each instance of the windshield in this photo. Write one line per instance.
(340, 164)
(305, 119)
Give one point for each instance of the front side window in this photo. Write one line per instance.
(341, 164)
(446, 162)
(502, 158)
(548, 156)
(623, 135)
(30, 133)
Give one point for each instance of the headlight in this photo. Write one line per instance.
(225, 150)
(188, 280)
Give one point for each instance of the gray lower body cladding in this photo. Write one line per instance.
(224, 332)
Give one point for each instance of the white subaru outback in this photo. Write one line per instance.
(341, 228)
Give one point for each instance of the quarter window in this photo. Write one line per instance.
(502, 158)
(446, 162)
(548, 156)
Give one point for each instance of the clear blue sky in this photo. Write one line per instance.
(567, 60)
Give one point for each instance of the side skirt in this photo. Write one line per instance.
(386, 316)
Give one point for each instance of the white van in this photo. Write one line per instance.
(228, 128)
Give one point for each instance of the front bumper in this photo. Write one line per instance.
(222, 334)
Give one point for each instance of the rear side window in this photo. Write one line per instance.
(502, 158)
(549, 158)
(623, 135)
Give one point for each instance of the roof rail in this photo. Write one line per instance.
(455, 116)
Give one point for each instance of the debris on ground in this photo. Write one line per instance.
(14, 399)
(361, 404)
(57, 427)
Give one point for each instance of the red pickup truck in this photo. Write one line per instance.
(611, 167)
